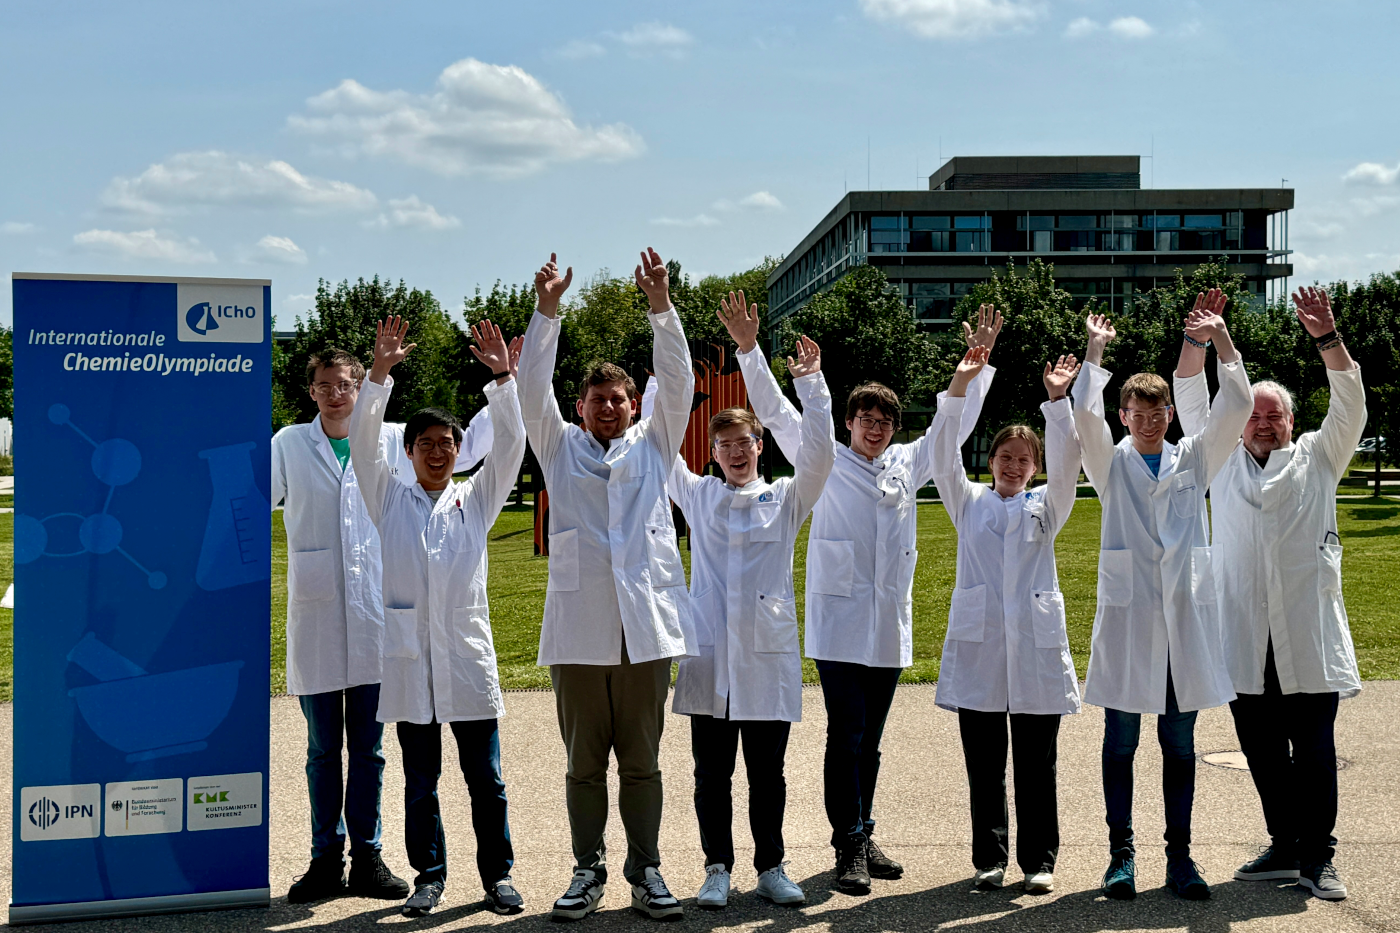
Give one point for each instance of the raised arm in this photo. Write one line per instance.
(1095, 439)
(773, 409)
(974, 393)
(1230, 409)
(1346, 409)
(540, 410)
(942, 444)
(366, 452)
(476, 439)
(670, 359)
(1062, 453)
(492, 485)
(817, 451)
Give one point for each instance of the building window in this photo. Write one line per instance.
(931, 223)
(973, 222)
(1167, 240)
(1077, 221)
(1035, 222)
(971, 241)
(1203, 220)
(1118, 221)
(1161, 221)
(1117, 242)
(1074, 241)
(1040, 240)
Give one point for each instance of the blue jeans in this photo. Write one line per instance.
(479, 753)
(334, 719)
(858, 700)
(1176, 732)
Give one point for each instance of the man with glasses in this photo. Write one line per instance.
(439, 659)
(1156, 643)
(335, 621)
(860, 576)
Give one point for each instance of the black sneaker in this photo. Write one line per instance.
(1269, 865)
(425, 898)
(653, 898)
(1185, 881)
(881, 865)
(1120, 881)
(503, 898)
(1321, 879)
(325, 878)
(852, 870)
(370, 877)
(583, 897)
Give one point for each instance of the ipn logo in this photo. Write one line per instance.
(44, 812)
(60, 811)
(204, 317)
(220, 313)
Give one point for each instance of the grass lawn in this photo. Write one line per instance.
(1370, 531)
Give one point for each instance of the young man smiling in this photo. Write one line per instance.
(616, 609)
(1156, 643)
(860, 576)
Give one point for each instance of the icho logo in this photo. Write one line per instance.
(44, 813)
(205, 316)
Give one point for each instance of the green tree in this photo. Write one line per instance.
(1368, 318)
(7, 372)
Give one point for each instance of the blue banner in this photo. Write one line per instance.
(142, 563)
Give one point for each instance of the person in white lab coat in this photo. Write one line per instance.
(616, 609)
(860, 576)
(1156, 642)
(1006, 654)
(335, 624)
(1277, 559)
(746, 683)
(439, 659)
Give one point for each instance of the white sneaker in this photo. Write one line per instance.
(776, 886)
(988, 879)
(583, 897)
(654, 899)
(1040, 882)
(714, 893)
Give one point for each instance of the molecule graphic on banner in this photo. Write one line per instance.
(115, 462)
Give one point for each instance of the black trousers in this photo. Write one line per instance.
(1289, 742)
(714, 743)
(1035, 743)
(858, 700)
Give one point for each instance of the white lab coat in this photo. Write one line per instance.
(1156, 593)
(1277, 557)
(614, 565)
(1006, 647)
(861, 549)
(439, 659)
(335, 610)
(742, 599)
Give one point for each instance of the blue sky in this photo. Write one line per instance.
(452, 144)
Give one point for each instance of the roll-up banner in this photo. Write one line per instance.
(142, 559)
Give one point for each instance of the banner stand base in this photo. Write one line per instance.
(140, 906)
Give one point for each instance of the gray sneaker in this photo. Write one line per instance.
(1321, 879)
(654, 899)
(583, 897)
(423, 899)
(714, 893)
(776, 886)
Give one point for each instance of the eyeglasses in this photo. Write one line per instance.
(330, 390)
(871, 424)
(742, 444)
(446, 445)
(1141, 416)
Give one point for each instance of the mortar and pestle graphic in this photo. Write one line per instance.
(151, 715)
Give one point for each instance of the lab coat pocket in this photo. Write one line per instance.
(765, 522)
(1048, 619)
(665, 557)
(313, 575)
(401, 633)
(1115, 578)
(1186, 496)
(1034, 524)
(967, 617)
(563, 560)
(704, 617)
(1329, 568)
(1202, 576)
(830, 566)
(471, 632)
(775, 624)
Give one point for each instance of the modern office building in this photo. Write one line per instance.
(1107, 236)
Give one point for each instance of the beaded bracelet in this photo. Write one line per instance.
(1193, 341)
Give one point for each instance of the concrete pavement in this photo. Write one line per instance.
(923, 821)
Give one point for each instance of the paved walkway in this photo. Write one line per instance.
(923, 822)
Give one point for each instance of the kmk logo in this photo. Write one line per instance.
(219, 797)
(204, 317)
(220, 313)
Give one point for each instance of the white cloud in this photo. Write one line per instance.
(15, 227)
(203, 179)
(954, 19)
(582, 48)
(496, 120)
(759, 200)
(1130, 27)
(655, 37)
(143, 244)
(1320, 231)
(299, 301)
(699, 220)
(1084, 26)
(1372, 173)
(411, 212)
(279, 249)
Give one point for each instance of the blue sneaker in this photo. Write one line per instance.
(1120, 881)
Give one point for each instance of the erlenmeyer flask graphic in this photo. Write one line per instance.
(238, 537)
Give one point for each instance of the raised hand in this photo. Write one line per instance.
(968, 367)
(1314, 309)
(988, 328)
(1058, 377)
(514, 350)
(1206, 320)
(1101, 334)
(550, 286)
(491, 348)
(740, 319)
(389, 348)
(655, 281)
(809, 358)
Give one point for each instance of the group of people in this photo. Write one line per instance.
(388, 618)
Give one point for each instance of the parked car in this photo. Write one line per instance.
(1368, 445)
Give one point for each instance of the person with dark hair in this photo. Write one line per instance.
(1156, 644)
(861, 555)
(335, 624)
(1278, 558)
(1006, 654)
(439, 659)
(616, 611)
